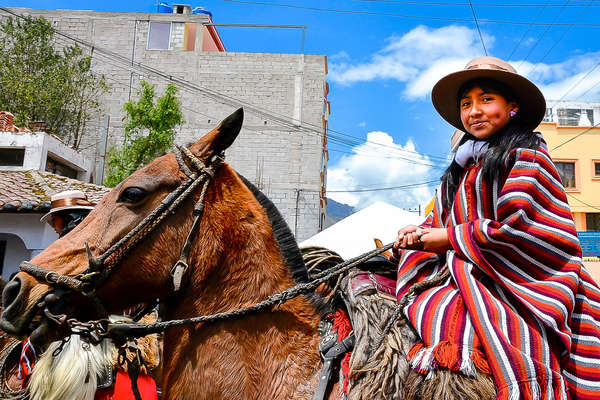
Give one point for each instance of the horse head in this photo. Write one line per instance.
(143, 271)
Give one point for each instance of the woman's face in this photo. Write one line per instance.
(484, 113)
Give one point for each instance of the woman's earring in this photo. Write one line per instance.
(512, 113)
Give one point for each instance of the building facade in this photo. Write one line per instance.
(34, 166)
(572, 131)
(282, 146)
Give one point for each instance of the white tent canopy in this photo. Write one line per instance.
(353, 235)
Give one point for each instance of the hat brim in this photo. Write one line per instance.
(46, 216)
(532, 105)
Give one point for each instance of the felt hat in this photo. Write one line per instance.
(68, 200)
(532, 105)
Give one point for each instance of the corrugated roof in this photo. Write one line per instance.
(30, 191)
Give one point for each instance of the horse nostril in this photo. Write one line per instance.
(51, 298)
(11, 292)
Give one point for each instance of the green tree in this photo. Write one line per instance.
(149, 132)
(40, 83)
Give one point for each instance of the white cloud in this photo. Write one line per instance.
(372, 166)
(420, 57)
(362, 124)
(340, 55)
(567, 78)
(417, 58)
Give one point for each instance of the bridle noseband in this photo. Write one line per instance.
(100, 267)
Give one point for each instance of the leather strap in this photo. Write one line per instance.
(328, 357)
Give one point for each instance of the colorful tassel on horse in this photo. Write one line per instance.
(343, 327)
(27, 361)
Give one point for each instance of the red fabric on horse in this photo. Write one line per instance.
(121, 390)
(518, 301)
(26, 361)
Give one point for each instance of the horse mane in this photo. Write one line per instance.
(288, 247)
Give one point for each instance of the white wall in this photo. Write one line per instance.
(37, 145)
(26, 236)
(32, 142)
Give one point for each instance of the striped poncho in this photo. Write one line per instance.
(518, 304)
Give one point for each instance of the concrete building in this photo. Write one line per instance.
(33, 166)
(282, 146)
(574, 144)
(572, 132)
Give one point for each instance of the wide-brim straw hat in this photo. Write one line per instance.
(67, 200)
(532, 105)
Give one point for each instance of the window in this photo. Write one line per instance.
(592, 222)
(172, 36)
(58, 168)
(596, 169)
(12, 157)
(548, 116)
(159, 36)
(575, 117)
(566, 170)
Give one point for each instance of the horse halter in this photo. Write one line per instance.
(100, 267)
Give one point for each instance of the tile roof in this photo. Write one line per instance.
(30, 191)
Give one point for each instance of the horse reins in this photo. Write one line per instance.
(100, 267)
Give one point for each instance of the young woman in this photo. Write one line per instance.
(512, 301)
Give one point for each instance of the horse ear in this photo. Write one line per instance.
(220, 138)
(227, 131)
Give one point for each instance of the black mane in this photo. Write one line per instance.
(288, 247)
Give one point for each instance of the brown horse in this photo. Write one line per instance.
(241, 253)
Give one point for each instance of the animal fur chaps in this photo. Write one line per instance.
(384, 373)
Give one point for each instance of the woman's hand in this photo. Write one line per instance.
(412, 237)
(408, 238)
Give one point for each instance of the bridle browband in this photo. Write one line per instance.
(100, 267)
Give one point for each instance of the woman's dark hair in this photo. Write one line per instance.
(496, 158)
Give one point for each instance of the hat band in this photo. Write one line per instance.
(488, 66)
(69, 202)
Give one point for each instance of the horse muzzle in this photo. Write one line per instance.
(39, 319)
(15, 317)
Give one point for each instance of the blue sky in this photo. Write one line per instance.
(385, 55)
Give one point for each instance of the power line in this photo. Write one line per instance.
(591, 87)
(579, 81)
(581, 201)
(478, 30)
(576, 136)
(560, 38)
(362, 12)
(495, 5)
(528, 29)
(410, 186)
(379, 156)
(543, 34)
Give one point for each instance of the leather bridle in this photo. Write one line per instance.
(100, 267)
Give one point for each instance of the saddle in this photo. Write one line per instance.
(363, 339)
(363, 306)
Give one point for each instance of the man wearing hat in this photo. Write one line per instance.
(67, 210)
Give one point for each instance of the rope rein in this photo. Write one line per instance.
(277, 299)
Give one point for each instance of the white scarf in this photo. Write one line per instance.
(471, 149)
(474, 149)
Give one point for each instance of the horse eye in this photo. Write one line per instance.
(132, 195)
